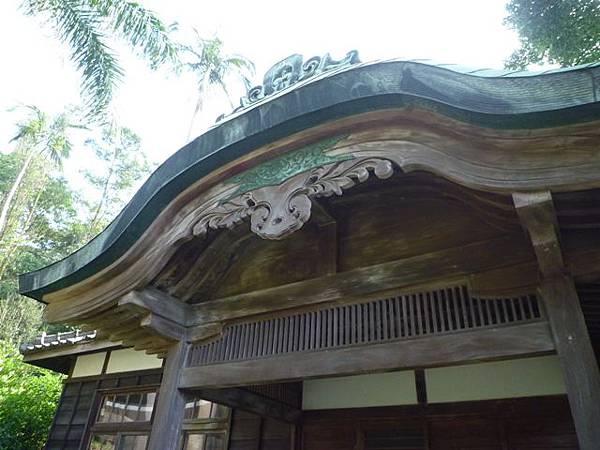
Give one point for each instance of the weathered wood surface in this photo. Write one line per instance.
(405, 315)
(444, 264)
(170, 406)
(578, 361)
(154, 301)
(470, 156)
(480, 345)
(524, 424)
(422, 213)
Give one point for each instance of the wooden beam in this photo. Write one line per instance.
(170, 407)
(537, 215)
(202, 332)
(165, 328)
(360, 282)
(243, 399)
(557, 289)
(152, 300)
(578, 361)
(489, 344)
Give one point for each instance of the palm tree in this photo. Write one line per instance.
(85, 25)
(38, 135)
(211, 67)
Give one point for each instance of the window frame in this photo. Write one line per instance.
(120, 428)
(208, 425)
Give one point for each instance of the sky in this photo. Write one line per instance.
(158, 105)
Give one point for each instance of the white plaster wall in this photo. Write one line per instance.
(88, 365)
(127, 359)
(526, 377)
(383, 389)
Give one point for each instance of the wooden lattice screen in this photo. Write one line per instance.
(434, 312)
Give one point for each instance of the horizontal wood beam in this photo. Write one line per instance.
(152, 300)
(454, 262)
(245, 400)
(489, 344)
(163, 327)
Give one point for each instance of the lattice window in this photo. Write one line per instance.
(405, 316)
(123, 421)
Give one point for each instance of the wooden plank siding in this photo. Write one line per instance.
(520, 424)
(253, 432)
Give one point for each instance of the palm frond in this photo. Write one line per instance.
(78, 25)
(139, 26)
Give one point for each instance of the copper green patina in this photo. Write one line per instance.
(279, 169)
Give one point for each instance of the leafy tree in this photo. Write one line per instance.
(85, 25)
(206, 59)
(43, 226)
(38, 135)
(565, 32)
(28, 398)
(123, 166)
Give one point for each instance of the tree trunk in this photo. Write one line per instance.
(11, 194)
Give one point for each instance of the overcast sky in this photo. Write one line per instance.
(158, 105)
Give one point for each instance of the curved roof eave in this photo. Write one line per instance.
(488, 99)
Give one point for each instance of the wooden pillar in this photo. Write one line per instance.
(557, 289)
(578, 361)
(166, 427)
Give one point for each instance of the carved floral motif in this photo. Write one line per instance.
(277, 211)
(279, 169)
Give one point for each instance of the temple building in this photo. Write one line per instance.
(362, 256)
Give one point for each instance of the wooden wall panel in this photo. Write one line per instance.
(265, 264)
(537, 423)
(252, 432)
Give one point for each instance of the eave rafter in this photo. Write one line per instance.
(152, 321)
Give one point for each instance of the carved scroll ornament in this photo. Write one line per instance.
(277, 211)
(290, 71)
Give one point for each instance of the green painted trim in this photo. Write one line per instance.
(281, 168)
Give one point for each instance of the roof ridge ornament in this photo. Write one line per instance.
(290, 71)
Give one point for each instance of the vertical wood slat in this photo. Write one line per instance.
(403, 316)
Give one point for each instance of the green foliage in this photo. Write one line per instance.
(565, 32)
(123, 166)
(45, 219)
(28, 399)
(87, 25)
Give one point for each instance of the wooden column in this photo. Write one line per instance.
(166, 427)
(557, 289)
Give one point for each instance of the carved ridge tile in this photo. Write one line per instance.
(277, 211)
(290, 71)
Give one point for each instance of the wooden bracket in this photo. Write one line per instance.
(537, 215)
(152, 300)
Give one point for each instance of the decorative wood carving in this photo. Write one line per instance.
(290, 71)
(277, 211)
